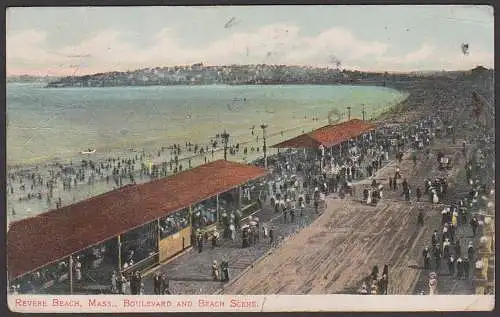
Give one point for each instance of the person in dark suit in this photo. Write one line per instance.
(157, 282)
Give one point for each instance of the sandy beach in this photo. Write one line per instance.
(36, 185)
(19, 206)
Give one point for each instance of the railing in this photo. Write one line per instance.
(144, 264)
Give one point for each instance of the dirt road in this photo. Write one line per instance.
(338, 251)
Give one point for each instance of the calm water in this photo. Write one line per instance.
(45, 123)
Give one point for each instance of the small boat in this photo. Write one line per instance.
(89, 151)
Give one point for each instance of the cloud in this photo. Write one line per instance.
(27, 46)
(457, 60)
(280, 43)
(421, 54)
(429, 57)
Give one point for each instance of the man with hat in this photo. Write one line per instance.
(224, 271)
(157, 283)
(420, 219)
(474, 223)
(200, 242)
(435, 238)
(437, 256)
(466, 267)
(470, 251)
(165, 284)
(451, 265)
(460, 268)
(426, 254)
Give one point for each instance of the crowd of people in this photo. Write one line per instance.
(451, 116)
(378, 283)
(127, 285)
(297, 180)
(447, 245)
(36, 188)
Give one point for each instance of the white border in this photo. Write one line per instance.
(246, 303)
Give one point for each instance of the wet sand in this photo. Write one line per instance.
(23, 207)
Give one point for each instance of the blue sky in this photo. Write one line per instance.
(62, 41)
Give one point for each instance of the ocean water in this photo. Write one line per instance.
(45, 124)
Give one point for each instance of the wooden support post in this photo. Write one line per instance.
(218, 215)
(119, 244)
(239, 197)
(70, 274)
(191, 215)
(158, 238)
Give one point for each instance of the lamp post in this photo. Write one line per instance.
(225, 137)
(349, 113)
(264, 148)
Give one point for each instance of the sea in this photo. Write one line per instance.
(44, 124)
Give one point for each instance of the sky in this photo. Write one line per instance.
(84, 40)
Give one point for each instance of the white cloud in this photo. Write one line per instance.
(458, 60)
(27, 46)
(273, 44)
(429, 57)
(421, 54)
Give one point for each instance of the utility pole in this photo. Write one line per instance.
(349, 113)
(225, 137)
(264, 148)
(363, 112)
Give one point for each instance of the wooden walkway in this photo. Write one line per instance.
(340, 248)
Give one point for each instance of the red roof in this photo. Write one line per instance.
(35, 242)
(329, 135)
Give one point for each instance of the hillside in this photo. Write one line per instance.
(198, 74)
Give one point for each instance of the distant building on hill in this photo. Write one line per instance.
(479, 70)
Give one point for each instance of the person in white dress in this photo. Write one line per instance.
(124, 285)
(433, 284)
(114, 288)
(78, 270)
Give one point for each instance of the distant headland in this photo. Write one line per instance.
(261, 74)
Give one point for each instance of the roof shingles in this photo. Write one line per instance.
(329, 135)
(35, 242)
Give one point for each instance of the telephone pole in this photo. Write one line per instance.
(349, 113)
(264, 148)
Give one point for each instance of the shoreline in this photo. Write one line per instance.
(154, 144)
(151, 154)
(374, 83)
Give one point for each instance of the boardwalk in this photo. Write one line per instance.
(349, 238)
(190, 273)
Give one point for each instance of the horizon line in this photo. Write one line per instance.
(232, 65)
